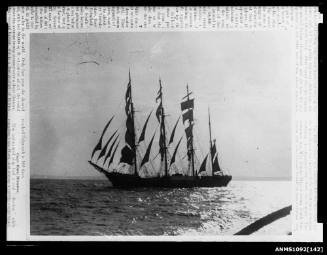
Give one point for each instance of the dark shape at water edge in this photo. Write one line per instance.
(120, 180)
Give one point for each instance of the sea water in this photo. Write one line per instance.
(93, 207)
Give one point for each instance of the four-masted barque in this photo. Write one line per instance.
(128, 156)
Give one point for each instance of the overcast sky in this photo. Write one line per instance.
(78, 81)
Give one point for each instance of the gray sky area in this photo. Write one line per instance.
(78, 81)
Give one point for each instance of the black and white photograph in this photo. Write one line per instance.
(163, 133)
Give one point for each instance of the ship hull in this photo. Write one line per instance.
(131, 181)
(120, 180)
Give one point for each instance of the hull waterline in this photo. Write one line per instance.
(120, 180)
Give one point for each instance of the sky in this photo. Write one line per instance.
(78, 81)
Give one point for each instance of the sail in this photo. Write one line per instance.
(189, 131)
(162, 143)
(147, 153)
(129, 135)
(173, 132)
(160, 117)
(213, 151)
(175, 151)
(106, 127)
(188, 115)
(103, 151)
(110, 150)
(159, 94)
(215, 165)
(127, 155)
(128, 151)
(214, 158)
(159, 111)
(189, 136)
(144, 128)
(113, 155)
(99, 144)
(189, 142)
(203, 165)
(189, 104)
(128, 94)
(128, 98)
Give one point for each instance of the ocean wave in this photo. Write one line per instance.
(93, 208)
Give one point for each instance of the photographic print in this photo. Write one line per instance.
(184, 133)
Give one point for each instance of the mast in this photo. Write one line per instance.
(128, 152)
(187, 114)
(191, 138)
(213, 152)
(133, 124)
(210, 141)
(163, 132)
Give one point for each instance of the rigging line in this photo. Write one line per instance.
(168, 153)
(122, 124)
(115, 112)
(137, 122)
(151, 161)
(181, 160)
(168, 129)
(146, 146)
(197, 161)
(117, 109)
(104, 135)
(174, 146)
(198, 144)
(136, 127)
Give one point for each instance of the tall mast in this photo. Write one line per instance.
(163, 130)
(210, 142)
(133, 121)
(191, 142)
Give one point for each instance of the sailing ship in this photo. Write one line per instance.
(200, 177)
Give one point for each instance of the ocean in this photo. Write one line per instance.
(93, 208)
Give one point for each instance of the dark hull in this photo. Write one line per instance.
(131, 181)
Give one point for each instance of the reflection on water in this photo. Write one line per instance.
(92, 207)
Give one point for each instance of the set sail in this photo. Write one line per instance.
(160, 116)
(173, 132)
(129, 149)
(110, 149)
(103, 151)
(128, 152)
(142, 136)
(203, 164)
(215, 168)
(214, 158)
(99, 144)
(113, 155)
(187, 107)
(147, 153)
(175, 151)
